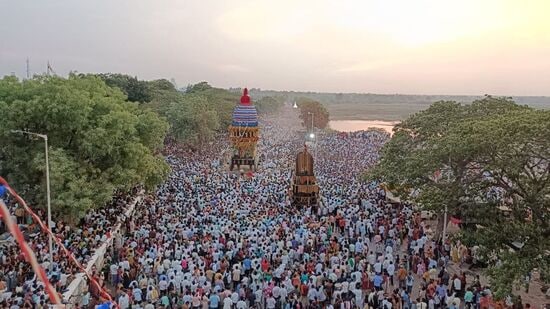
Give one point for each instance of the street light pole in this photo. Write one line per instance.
(444, 225)
(312, 134)
(444, 238)
(48, 199)
(50, 240)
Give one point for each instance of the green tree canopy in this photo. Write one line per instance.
(198, 88)
(196, 115)
(267, 105)
(136, 90)
(193, 120)
(98, 141)
(320, 113)
(220, 100)
(475, 159)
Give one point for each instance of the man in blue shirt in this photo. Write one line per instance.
(214, 301)
(406, 299)
(3, 191)
(410, 282)
(104, 306)
(377, 281)
(247, 265)
(441, 291)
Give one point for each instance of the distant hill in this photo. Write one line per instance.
(369, 106)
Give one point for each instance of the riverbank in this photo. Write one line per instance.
(360, 125)
(374, 111)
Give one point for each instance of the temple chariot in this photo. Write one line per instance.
(304, 189)
(244, 134)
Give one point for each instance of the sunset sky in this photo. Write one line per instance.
(498, 47)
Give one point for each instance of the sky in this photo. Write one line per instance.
(474, 47)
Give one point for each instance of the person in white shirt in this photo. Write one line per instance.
(124, 301)
(241, 304)
(271, 302)
(234, 297)
(421, 304)
(386, 304)
(163, 285)
(138, 294)
(345, 287)
(114, 274)
(457, 286)
(311, 294)
(227, 303)
(391, 271)
(259, 296)
(358, 293)
(378, 267)
(431, 303)
(236, 277)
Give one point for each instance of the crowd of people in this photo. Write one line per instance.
(209, 238)
(19, 287)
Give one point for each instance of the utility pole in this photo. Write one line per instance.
(28, 69)
(312, 133)
(45, 137)
(312, 115)
(50, 240)
(446, 207)
(445, 225)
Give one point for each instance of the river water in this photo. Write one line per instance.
(358, 125)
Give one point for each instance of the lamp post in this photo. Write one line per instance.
(312, 115)
(312, 133)
(444, 238)
(45, 137)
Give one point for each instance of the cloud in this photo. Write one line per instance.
(421, 46)
(364, 66)
(269, 21)
(233, 68)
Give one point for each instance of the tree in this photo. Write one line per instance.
(136, 90)
(98, 142)
(490, 153)
(320, 113)
(219, 100)
(198, 88)
(268, 105)
(512, 153)
(196, 115)
(192, 120)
